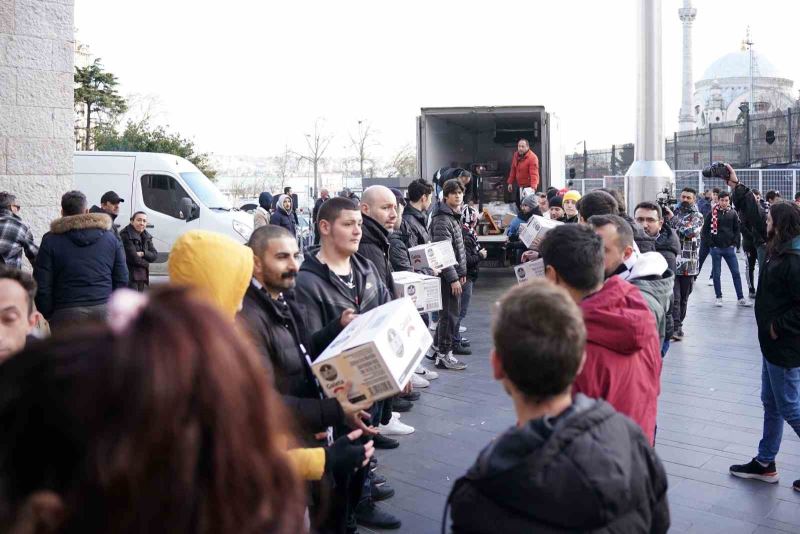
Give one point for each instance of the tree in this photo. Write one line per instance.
(286, 165)
(141, 137)
(404, 163)
(96, 97)
(361, 143)
(318, 143)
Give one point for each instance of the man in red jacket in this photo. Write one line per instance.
(524, 169)
(623, 353)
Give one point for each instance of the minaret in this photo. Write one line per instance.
(686, 119)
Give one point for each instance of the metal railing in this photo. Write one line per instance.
(785, 181)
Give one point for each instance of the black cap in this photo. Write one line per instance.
(111, 196)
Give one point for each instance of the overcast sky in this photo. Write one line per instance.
(245, 77)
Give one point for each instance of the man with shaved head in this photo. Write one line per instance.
(379, 211)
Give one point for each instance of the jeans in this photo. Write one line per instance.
(465, 298)
(780, 395)
(448, 319)
(717, 254)
(664, 347)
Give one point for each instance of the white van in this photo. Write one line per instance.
(176, 196)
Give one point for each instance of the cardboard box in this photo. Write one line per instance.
(436, 255)
(532, 233)
(529, 270)
(425, 291)
(377, 352)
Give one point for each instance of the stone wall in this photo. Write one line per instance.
(36, 105)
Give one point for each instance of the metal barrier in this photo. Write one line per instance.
(784, 181)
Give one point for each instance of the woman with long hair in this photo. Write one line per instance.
(161, 420)
(778, 319)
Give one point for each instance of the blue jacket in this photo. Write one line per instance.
(80, 262)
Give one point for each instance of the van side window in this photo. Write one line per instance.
(163, 194)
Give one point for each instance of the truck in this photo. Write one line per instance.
(174, 194)
(487, 136)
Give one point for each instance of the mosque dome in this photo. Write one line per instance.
(737, 65)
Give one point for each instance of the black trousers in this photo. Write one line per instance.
(681, 292)
(705, 249)
(448, 319)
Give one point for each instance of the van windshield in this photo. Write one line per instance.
(206, 191)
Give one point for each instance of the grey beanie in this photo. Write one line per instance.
(532, 201)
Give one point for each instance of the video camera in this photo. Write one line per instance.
(665, 199)
(716, 170)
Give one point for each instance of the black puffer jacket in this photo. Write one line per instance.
(472, 250)
(374, 246)
(398, 252)
(778, 306)
(278, 331)
(446, 226)
(280, 217)
(325, 298)
(588, 470)
(669, 246)
(80, 262)
(134, 242)
(112, 216)
(415, 227)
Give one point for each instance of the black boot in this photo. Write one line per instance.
(368, 514)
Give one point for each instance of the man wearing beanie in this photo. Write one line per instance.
(570, 205)
(556, 209)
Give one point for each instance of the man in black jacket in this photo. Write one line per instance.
(751, 214)
(563, 450)
(721, 230)
(379, 211)
(778, 320)
(333, 278)
(649, 216)
(80, 262)
(276, 321)
(109, 204)
(446, 226)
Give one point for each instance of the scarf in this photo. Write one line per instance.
(715, 218)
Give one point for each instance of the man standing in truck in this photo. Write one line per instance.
(524, 171)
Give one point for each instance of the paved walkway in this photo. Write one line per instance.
(709, 417)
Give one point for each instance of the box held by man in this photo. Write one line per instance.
(378, 352)
(437, 255)
(425, 291)
(529, 270)
(532, 233)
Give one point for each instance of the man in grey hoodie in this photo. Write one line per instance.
(649, 271)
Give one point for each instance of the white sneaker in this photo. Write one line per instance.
(710, 282)
(395, 428)
(745, 303)
(462, 329)
(419, 382)
(718, 303)
(432, 326)
(396, 415)
(426, 373)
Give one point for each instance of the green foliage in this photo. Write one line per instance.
(141, 137)
(97, 98)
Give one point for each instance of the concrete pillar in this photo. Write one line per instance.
(686, 120)
(649, 173)
(36, 106)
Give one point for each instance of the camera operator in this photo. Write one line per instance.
(751, 214)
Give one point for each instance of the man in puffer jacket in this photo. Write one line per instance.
(446, 226)
(80, 262)
(569, 464)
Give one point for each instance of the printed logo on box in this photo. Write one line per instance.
(395, 342)
(411, 290)
(520, 272)
(328, 372)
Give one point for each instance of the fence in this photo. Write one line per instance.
(758, 140)
(785, 181)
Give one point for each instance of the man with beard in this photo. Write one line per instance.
(276, 322)
(109, 204)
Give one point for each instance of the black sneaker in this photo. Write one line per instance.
(461, 350)
(465, 342)
(401, 405)
(373, 463)
(752, 294)
(757, 471)
(382, 492)
(413, 396)
(383, 442)
(796, 485)
(378, 480)
(678, 335)
(368, 514)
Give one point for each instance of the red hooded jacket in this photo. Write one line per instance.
(524, 170)
(623, 353)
